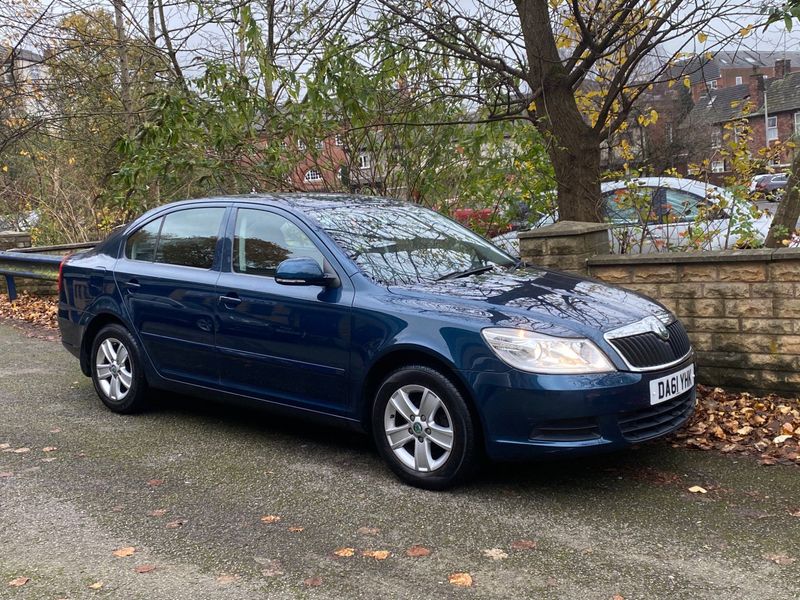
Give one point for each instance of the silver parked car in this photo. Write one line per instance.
(652, 214)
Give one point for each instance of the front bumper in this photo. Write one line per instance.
(527, 416)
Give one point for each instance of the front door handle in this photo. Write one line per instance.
(132, 285)
(230, 300)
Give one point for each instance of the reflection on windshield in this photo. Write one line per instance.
(404, 243)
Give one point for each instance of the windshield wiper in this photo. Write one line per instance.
(467, 273)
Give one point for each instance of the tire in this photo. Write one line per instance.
(420, 455)
(121, 385)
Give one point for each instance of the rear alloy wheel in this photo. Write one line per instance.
(423, 428)
(116, 370)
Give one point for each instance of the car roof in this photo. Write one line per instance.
(300, 200)
(701, 188)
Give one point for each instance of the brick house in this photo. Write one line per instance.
(729, 68)
(771, 107)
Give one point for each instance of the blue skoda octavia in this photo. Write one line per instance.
(380, 315)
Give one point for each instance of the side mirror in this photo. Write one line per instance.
(303, 271)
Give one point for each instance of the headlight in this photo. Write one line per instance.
(539, 353)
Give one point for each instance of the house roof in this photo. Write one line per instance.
(782, 95)
(701, 68)
(719, 106)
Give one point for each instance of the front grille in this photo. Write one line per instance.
(656, 420)
(649, 350)
(566, 430)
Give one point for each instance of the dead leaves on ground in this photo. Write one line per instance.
(124, 552)
(270, 519)
(145, 569)
(376, 554)
(768, 426)
(19, 581)
(37, 310)
(417, 551)
(344, 552)
(460, 579)
(780, 559)
(495, 553)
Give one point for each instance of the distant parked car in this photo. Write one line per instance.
(652, 214)
(772, 186)
(377, 315)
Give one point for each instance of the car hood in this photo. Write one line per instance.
(538, 299)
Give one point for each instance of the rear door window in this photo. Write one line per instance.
(189, 237)
(675, 206)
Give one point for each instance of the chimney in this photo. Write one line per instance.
(782, 68)
(755, 88)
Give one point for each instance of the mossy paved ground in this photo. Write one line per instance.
(622, 524)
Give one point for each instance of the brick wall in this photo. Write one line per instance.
(741, 309)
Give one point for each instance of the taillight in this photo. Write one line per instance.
(61, 273)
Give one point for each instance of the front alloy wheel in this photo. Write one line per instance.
(418, 428)
(423, 428)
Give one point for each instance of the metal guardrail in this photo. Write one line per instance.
(34, 263)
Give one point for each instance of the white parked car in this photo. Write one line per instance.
(653, 214)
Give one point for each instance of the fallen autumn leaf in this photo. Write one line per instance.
(696, 489)
(460, 579)
(417, 551)
(495, 553)
(96, 585)
(344, 552)
(270, 519)
(19, 581)
(377, 554)
(523, 545)
(123, 552)
(145, 568)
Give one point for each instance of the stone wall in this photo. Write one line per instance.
(741, 309)
(14, 239)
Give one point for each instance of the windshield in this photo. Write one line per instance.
(402, 244)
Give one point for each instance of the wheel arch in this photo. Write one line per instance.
(407, 356)
(90, 332)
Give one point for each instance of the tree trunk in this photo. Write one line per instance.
(785, 220)
(574, 146)
(574, 150)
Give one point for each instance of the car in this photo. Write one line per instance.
(653, 214)
(378, 315)
(771, 186)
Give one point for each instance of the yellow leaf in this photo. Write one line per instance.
(5, 168)
(702, 37)
(123, 552)
(532, 106)
(696, 489)
(270, 519)
(344, 552)
(745, 31)
(376, 554)
(96, 585)
(687, 83)
(460, 579)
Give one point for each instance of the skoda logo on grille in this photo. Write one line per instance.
(657, 327)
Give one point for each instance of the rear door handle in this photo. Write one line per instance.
(132, 285)
(230, 300)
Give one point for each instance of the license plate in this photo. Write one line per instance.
(664, 388)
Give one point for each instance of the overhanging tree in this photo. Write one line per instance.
(573, 68)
